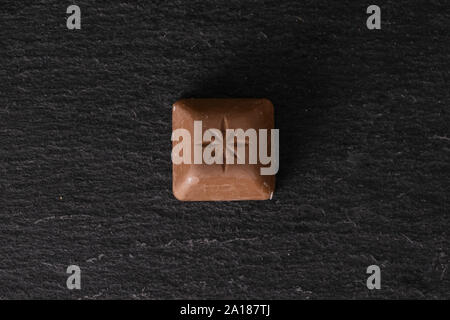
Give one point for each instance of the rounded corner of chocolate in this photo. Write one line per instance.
(271, 107)
(176, 194)
(180, 103)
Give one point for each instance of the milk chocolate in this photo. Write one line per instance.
(221, 181)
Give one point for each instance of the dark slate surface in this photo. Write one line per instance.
(85, 172)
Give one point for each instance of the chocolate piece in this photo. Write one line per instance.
(226, 178)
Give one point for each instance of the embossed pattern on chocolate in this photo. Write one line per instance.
(210, 167)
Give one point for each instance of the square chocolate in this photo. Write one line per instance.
(215, 169)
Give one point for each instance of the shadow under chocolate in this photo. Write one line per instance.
(291, 78)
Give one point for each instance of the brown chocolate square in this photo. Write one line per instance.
(222, 181)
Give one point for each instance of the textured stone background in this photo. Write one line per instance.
(85, 173)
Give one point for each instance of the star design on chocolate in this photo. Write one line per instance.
(223, 129)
